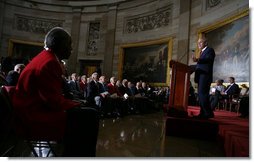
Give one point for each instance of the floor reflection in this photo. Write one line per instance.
(135, 135)
(143, 136)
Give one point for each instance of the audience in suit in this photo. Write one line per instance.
(138, 89)
(93, 92)
(232, 89)
(75, 86)
(131, 88)
(83, 86)
(13, 76)
(123, 89)
(103, 88)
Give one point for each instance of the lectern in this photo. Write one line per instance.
(179, 89)
(178, 123)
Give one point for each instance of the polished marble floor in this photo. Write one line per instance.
(143, 136)
(140, 136)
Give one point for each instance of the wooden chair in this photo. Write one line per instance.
(233, 101)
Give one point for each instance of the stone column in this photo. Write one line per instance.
(183, 31)
(73, 64)
(2, 4)
(110, 41)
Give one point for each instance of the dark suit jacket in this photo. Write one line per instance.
(205, 64)
(92, 91)
(12, 78)
(232, 90)
(38, 97)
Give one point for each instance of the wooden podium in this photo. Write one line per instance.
(178, 123)
(179, 89)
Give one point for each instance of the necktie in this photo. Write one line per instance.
(228, 88)
(201, 52)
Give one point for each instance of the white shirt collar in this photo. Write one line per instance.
(204, 48)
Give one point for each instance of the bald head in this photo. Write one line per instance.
(59, 42)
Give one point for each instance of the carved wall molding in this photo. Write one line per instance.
(93, 38)
(148, 21)
(212, 3)
(35, 25)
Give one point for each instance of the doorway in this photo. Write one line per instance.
(88, 67)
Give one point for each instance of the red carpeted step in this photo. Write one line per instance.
(236, 144)
(223, 129)
(192, 128)
(233, 131)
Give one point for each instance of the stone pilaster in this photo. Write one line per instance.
(183, 31)
(1, 19)
(73, 63)
(110, 41)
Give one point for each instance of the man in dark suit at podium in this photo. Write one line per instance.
(204, 76)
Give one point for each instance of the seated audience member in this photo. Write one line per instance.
(138, 89)
(144, 88)
(112, 88)
(118, 87)
(141, 102)
(114, 98)
(103, 86)
(108, 104)
(75, 86)
(124, 90)
(131, 88)
(232, 89)
(244, 90)
(244, 101)
(83, 86)
(215, 93)
(38, 100)
(93, 92)
(13, 76)
(218, 88)
(126, 101)
(147, 90)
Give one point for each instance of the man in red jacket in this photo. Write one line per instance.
(38, 99)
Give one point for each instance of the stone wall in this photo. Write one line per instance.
(99, 29)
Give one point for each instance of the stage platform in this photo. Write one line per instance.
(226, 127)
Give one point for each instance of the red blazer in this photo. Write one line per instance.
(112, 88)
(38, 98)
